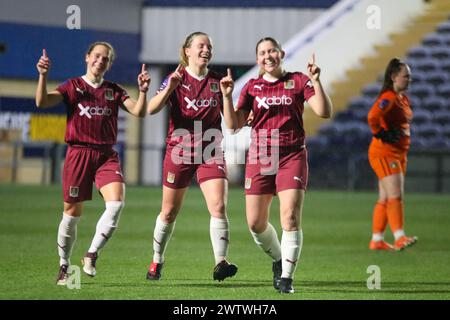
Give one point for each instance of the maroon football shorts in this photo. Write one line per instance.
(289, 172)
(85, 165)
(178, 172)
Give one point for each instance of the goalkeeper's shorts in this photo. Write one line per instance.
(388, 165)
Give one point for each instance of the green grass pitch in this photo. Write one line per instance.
(333, 265)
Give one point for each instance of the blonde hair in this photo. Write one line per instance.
(187, 44)
(112, 52)
(274, 42)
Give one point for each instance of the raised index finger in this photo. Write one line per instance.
(143, 68)
(179, 68)
(44, 53)
(229, 72)
(313, 59)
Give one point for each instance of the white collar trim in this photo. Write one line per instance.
(193, 75)
(89, 82)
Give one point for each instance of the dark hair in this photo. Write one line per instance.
(112, 52)
(394, 66)
(274, 42)
(187, 44)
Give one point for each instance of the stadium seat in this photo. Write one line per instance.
(361, 103)
(418, 76)
(433, 40)
(434, 103)
(446, 130)
(424, 65)
(428, 130)
(440, 53)
(421, 90)
(415, 102)
(360, 115)
(422, 116)
(317, 142)
(345, 116)
(418, 53)
(436, 77)
(372, 90)
(418, 143)
(442, 117)
(445, 65)
(444, 28)
(438, 142)
(331, 129)
(444, 90)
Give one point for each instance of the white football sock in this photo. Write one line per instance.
(161, 237)
(106, 225)
(268, 241)
(219, 233)
(399, 233)
(378, 236)
(67, 235)
(291, 247)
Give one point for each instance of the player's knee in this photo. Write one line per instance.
(218, 209)
(169, 214)
(257, 226)
(72, 209)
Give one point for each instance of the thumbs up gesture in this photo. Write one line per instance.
(43, 64)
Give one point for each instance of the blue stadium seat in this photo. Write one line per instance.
(444, 90)
(442, 117)
(422, 116)
(438, 142)
(415, 102)
(440, 53)
(435, 103)
(418, 76)
(444, 27)
(436, 77)
(360, 115)
(361, 103)
(428, 130)
(423, 65)
(445, 65)
(421, 90)
(330, 129)
(317, 142)
(418, 53)
(372, 90)
(433, 40)
(418, 143)
(345, 116)
(446, 130)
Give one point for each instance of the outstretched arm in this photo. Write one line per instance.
(44, 99)
(137, 108)
(234, 119)
(158, 102)
(320, 102)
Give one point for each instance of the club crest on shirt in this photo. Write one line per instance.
(74, 191)
(214, 87)
(170, 177)
(248, 183)
(289, 84)
(109, 94)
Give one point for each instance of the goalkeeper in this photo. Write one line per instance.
(389, 121)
